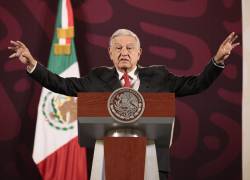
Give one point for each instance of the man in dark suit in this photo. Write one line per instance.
(125, 51)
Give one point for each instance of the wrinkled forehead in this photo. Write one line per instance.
(124, 40)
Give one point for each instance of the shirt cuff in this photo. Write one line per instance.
(30, 70)
(218, 65)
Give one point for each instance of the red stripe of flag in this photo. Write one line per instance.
(70, 17)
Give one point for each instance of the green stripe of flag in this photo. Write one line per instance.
(59, 63)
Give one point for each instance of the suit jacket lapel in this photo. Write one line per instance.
(113, 82)
(144, 82)
(111, 79)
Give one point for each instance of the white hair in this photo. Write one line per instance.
(124, 32)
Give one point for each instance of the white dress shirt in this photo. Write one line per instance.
(133, 76)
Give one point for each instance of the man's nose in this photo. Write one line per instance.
(124, 51)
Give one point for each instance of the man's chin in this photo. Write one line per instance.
(124, 67)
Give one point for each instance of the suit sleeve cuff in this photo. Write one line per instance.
(218, 65)
(30, 70)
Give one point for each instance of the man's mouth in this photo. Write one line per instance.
(124, 59)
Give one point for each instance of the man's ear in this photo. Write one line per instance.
(140, 52)
(109, 52)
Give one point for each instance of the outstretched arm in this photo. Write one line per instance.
(194, 84)
(67, 86)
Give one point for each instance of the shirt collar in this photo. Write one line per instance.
(132, 74)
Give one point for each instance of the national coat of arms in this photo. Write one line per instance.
(59, 110)
(126, 105)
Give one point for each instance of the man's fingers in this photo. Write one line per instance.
(228, 39)
(234, 38)
(235, 45)
(14, 43)
(21, 44)
(12, 48)
(17, 44)
(13, 55)
(20, 51)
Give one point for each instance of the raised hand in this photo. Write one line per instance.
(22, 53)
(225, 48)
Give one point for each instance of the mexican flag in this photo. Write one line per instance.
(56, 151)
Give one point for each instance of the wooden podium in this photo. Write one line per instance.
(125, 151)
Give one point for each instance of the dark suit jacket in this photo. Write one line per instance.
(152, 79)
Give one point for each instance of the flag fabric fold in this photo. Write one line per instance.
(56, 150)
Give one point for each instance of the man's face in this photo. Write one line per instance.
(124, 52)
